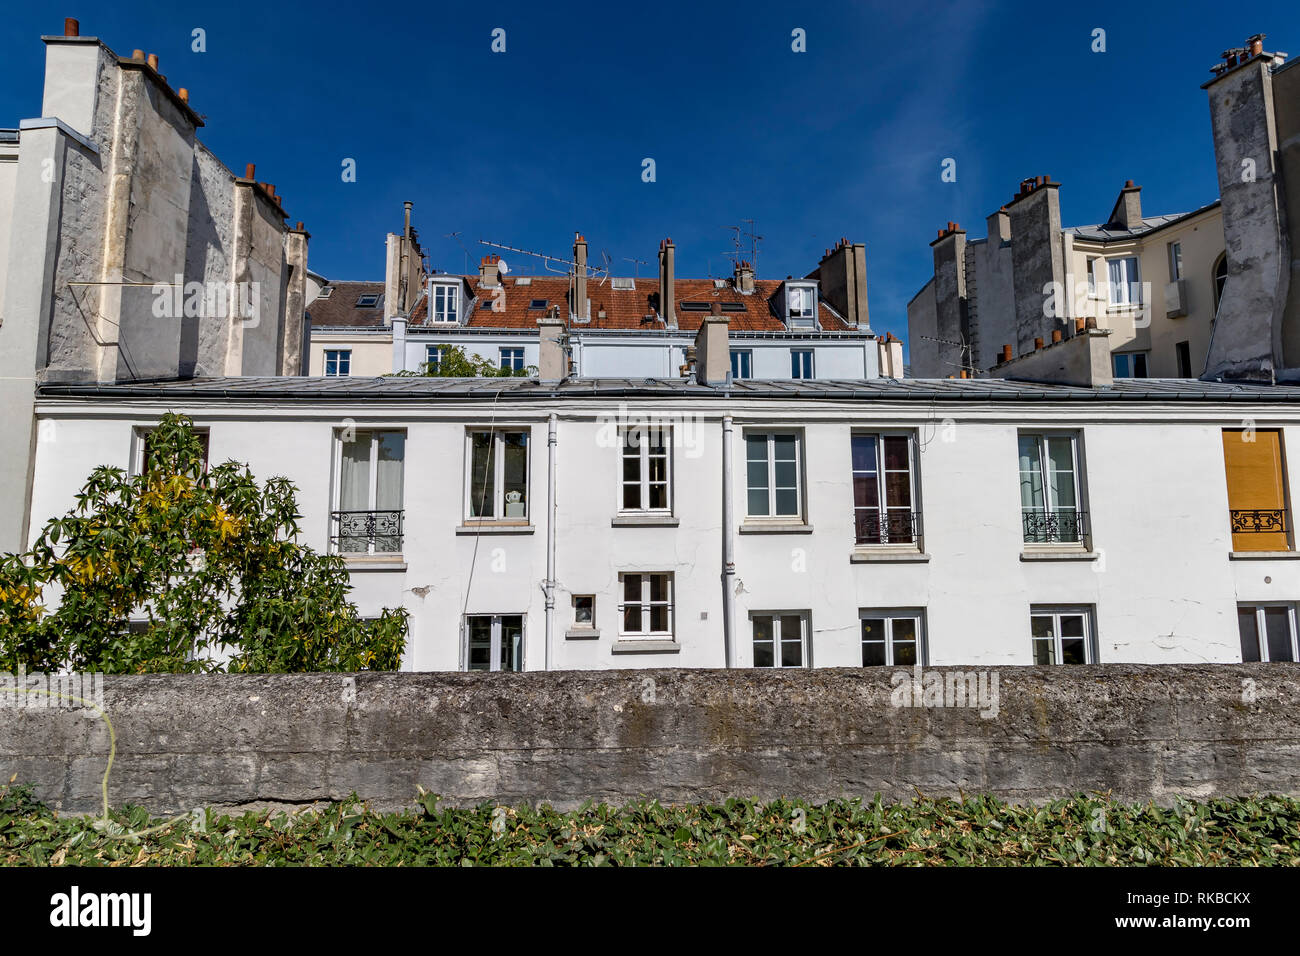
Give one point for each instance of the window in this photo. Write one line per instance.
(772, 471)
(801, 363)
(892, 638)
(512, 358)
(734, 307)
(497, 484)
(584, 610)
(1175, 261)
(1257, 507)
(433, 356)
(537, 305)
(742, 363)
(1092, 276)
(1062, 635)
(1050, 489)
(623, 285)
(445, 305)
(1125, 282)
(1183, 350)
(647, 606)
(883, 504)
(368, 301)
(524, 280)
(780, 640)
(368, 516)
(1268, 632)
(1130, 364)
(325, 292)
(141, 456)
(696, 307)
(1220, 280)
(646, 468)
(801, 302)
(338, 361)
(494, 642)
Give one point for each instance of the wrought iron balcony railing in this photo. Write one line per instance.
(1259, 521)
(367, 532)
(894, 527)
(1055, 527)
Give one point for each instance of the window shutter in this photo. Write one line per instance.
(1256, 494)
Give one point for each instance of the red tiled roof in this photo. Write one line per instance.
(627, 308)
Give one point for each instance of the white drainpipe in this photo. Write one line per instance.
(728, 549)
(550, 536)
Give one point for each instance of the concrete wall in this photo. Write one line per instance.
(562, 738)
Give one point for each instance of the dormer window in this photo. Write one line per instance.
(801, 304)
(368, 301)
(325, 292)
(444, 303)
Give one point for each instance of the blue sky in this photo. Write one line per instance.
(527, 146)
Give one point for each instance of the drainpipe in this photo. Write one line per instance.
(550, 536)
(728, 549)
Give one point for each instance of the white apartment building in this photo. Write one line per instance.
(622, 524)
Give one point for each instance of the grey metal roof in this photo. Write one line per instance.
(1111, 231)
(414, 388)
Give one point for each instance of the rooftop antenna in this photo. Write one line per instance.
(754, 240)
(456, 236)
(637, 267)
(547, 260)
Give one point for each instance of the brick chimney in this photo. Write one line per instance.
(743, 275)
(489, 271)
(581, 307)
(667, 289)
(1128, 207)
(842, 277)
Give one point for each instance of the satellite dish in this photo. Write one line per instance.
(502, 267)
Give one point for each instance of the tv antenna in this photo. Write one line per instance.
(456, 236)
(571, 267)
(639, 264)
(742, 236)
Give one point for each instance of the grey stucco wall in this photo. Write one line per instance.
(1143, 733)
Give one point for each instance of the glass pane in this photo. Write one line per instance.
(792, 653)
(756, 448)
(1072, 625)
(632, 467)
(631, 587)
(355, 478)
(787, 502)
(904, 629)
(480, 643)
(1072, 651)
(659, 618)
(658, 468)
(865, 491)
(1249, 629)
(658, 496)
(632, 496)
(1041, 625)
(1060, 457)
(516, 473)
(896, 453)
(659, 587)
(898, 489)
(512, 643)
(388, 484)
(583, 606)
(758, 502)
(763, 628)
(905, 654)
(632, 619)
(1031, 476)
(791, 627)
(1278, 628)
(873, 653)
(763, 654)
(481, 475)
(864, 453)
(784, 447)
(1044, 652)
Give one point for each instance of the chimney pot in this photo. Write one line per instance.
(1056, 335)
(249, 170)
(1090, 322)
(1038, 343)
(300, 226)
(71, 28)
(184, 94)
(1006, 353)
(1078, 325)
(137, 54)
(152, 60)
(963, 373)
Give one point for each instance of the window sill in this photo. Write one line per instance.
(644, 521)
(374, 562)
(1264, 556)
(882, 556)
(581, 634)
(1061, 554)
(775, 527)
(638, 645)
(495, 527)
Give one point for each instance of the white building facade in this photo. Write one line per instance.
(981, 523)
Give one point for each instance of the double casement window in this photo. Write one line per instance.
(892, 638)
(801, 363)
(780, 639)
(773, 472)
(368, 475)
(140, 452)
(444, 303)
(433, 356)
(1257, 499)
(1062, 635)
(802, 304)
(1130, 364)
(1050, 489)
(338, 361)
(742, 363)
(494, 642)
(646, 610)
(884, 499)
(496, 487)
(647, 466)
(1268, 632)
(1125, 281)
(1175, 261)
(512, 358)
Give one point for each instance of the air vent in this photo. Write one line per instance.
(524, 280)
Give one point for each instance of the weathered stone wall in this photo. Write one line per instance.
(1143, 733)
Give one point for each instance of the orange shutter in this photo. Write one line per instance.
(1256, 493)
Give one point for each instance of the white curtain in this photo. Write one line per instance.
(354, 493)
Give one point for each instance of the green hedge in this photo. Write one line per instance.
(978, 830)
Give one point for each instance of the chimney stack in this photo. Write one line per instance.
(71, 28)
(406, 225)
(713, 349)
(667, 287)
(1127, 211)
(842, 280)
(552, 362)
(743, 276)
(488, 271)
(581, 308)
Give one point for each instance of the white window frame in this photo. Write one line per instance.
(1056, 612)
(494, 649)
(778, 637)
(1131, 358)
(737, 357)
(913, 487)
(448, 311)
(645, 603)
(643, 469)
(498, 515)
(372, 492)
(770, 435)
(1121, 293)
(807, 312)
(584, 625)
(516, 352)
(890, 614)
(1175, 253)
(433, 356)
(1050, 507)
(1091, 266)
(1261, 633)
(339, 357)
(798, 364)
(140, 434)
